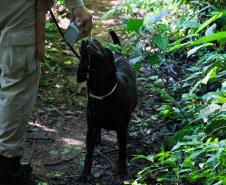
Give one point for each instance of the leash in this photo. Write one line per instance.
(77, 55)
(62, 34)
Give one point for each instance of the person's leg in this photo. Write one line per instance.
(19, 78)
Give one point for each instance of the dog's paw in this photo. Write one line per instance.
(84, 178)
(122, 172)
(118, 181)
(120, 178)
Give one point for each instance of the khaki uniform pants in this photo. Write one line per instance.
(19, 72)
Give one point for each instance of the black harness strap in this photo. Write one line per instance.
(62, 34)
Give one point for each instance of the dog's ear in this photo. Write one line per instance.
(114, 37)
(82, 72)
(82, 68)
(83, 49)
(109, 54)
(81, 76)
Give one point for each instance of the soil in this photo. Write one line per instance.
(55, 144)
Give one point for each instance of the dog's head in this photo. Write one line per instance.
(95, 60)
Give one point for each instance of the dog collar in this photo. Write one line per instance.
(102, 97)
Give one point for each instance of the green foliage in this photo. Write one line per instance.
(209, 21)
(192, 159)
(60, 1)
(175, 30)
(134, 25)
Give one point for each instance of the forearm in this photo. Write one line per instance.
(72, 4)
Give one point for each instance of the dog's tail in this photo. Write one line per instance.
(114, 37)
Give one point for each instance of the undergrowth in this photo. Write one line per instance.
(191, 35)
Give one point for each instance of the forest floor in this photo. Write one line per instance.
(55, 143)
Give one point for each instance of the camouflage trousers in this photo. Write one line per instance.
(19, 72)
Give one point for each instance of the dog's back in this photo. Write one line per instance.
(125, 72)
(127, 77)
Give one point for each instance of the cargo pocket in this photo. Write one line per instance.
(22, 54)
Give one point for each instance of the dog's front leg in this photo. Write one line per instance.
(90, 144)
(122, 160)
(98, 140)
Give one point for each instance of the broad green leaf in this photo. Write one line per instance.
(177, 146)
(215, 124)
(213, 37)
(201, 165)
(134, 25)
(196, 86)
(208, 140)
(163, 27)
(217, 12)
(161, 41)
(209, 110)
(219, 183)
(126, 182)
(223, 86)
(108, 14)
(189, 97)
(185, 170)
(194, 50)
(55, 174)
(156, 18)
(210, 75)
(114, 47)
(182, 39)
(137, 66)
(152, 59)
(193, 70)
(136, 60)
(138, 157)
(42, 183)
(179, 46)
(150, 158)
(209, 21)
(166, 178)
(53, 152)
(166, 113)
(191, 24)
(135, 183)
(221, 100)
(211, 95)
(211, 30)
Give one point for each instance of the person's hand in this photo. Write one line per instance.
(84, 20)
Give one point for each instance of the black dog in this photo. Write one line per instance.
(112, 97)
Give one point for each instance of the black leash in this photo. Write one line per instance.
(62, 34)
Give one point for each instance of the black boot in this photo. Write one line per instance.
(13, 173)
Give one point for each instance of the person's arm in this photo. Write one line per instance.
(81, 15)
